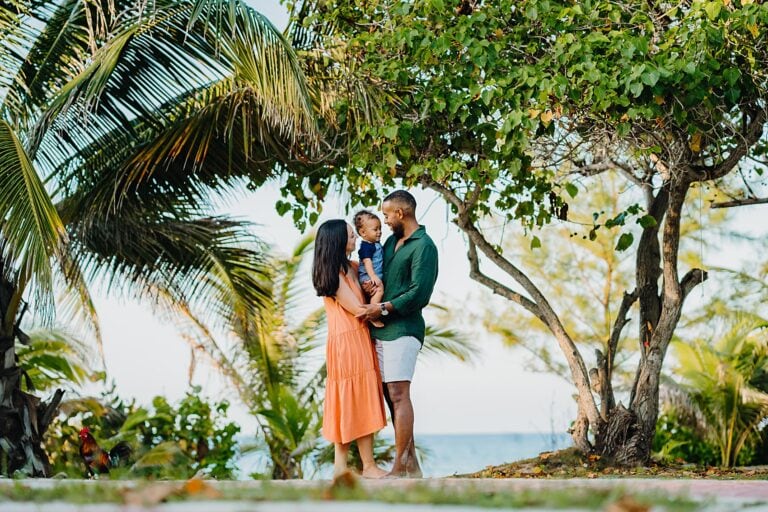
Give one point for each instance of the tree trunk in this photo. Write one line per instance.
(629, 435)
(24, 418)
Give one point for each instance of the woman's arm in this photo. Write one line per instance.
(348, 299)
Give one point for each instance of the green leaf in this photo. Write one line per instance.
(571, 189)
(650, 77)
(713, 9)
(647, 221)
(625, 240)
(535, 242)
(390, 131)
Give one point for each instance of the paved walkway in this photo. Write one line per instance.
(715, 495)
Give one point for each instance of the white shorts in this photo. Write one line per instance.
(397, 358)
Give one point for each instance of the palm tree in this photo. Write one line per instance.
(118, 121)
(725, 384)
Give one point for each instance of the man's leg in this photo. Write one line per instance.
(406, 463)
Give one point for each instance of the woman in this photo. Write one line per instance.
(354, 407)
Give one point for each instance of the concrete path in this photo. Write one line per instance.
(714, 495)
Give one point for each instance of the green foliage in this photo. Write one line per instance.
(54, 358)
(507, 95)
(198, 428)
(676, 441)
(169, 441)
(727, 381)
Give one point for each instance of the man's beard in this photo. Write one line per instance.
(398, 230)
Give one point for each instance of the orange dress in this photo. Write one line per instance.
(354, 405)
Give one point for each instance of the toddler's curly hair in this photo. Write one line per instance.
(360, 217)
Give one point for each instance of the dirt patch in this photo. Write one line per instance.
(571, 463)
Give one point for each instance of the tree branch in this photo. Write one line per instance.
(608, 400)
(752, 133)
(498, 288)
(740, 202)
(693, 278)
(571, 352)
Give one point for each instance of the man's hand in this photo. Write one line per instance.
(371, 312)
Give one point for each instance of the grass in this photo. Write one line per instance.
(570, 463)
(149, 493)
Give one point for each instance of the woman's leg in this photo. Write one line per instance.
(370, 469)
(340, 458)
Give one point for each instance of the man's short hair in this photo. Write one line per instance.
(404, 199)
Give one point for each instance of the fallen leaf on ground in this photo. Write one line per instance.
(198, 487)
(149, 495)
(626, 504)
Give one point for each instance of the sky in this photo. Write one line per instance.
(145, 356)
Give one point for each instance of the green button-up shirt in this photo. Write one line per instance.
(409, 278)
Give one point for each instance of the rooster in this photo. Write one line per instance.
(97, 460)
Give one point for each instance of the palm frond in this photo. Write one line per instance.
(32, 231)
(156, 61)
(74, 302)
(51, 59)
(448, 342)
(54, 357)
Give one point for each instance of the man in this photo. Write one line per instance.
(410, 271)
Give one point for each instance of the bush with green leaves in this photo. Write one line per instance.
(677, 441)
(169, 440)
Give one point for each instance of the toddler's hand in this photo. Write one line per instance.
(378, 282)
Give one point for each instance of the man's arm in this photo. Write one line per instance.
(423, 276)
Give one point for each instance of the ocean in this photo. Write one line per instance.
(450, 454)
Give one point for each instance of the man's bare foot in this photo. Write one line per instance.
(396, 474)
(374, 472)
(377, 323)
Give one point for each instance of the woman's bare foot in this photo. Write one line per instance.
(374, 472)
(377, 323)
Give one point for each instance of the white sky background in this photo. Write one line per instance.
(145, 356)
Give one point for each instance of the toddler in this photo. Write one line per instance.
(371, 255)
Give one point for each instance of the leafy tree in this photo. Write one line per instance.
(502, 106)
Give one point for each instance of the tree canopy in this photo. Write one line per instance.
(502, 107)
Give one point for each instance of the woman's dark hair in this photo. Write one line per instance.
(330, 256)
